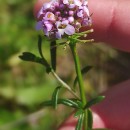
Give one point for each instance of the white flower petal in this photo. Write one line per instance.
(61, 31)
(58, 23)
(58, 35)
(65, 2)
(85, 2)
(71, 6)
(77, 2)
(86, 10)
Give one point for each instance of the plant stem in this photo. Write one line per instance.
(80, 79)
(64, 84)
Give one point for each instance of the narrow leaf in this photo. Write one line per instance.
(83, 71)
(80, 122)
(55, 97)
(27, 56)
(66, 102)
(90, 119)
(48, 68)
(53, 54)
(40, 46)
(94, 101)
(46, 104)
(79, 112)
(79, 102)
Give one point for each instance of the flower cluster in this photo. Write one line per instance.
(60, 18)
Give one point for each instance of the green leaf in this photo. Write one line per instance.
(79, 102)
(80, 122)
(53, 54)
(90, 119)
(66, 102)
(94, 101)
(55, 97)
(40, 46)
(27, 56)
(83, 71)
(79, 112)
(48, 68)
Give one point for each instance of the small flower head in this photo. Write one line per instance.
(60, 18)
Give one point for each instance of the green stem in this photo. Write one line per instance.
(64, 84)
(80, 79)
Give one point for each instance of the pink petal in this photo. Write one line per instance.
(48, 25)
(80, 13)
(65, 22)
(47, 5)
(49, 16)
(71, 19)
(69, 29)
(40, 13)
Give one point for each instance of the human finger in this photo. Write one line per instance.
(111, 22)
(112, 113)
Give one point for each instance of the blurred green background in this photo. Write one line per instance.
(24, 85)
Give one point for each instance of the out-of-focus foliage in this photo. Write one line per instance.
(24, 85)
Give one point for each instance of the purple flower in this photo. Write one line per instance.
(80, 13)
(39, 25)
(49, 16)
(48, 25)
(60, 18)
(64, 27)
(72, 2)
(71, 19)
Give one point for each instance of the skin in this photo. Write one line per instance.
(111, 24)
